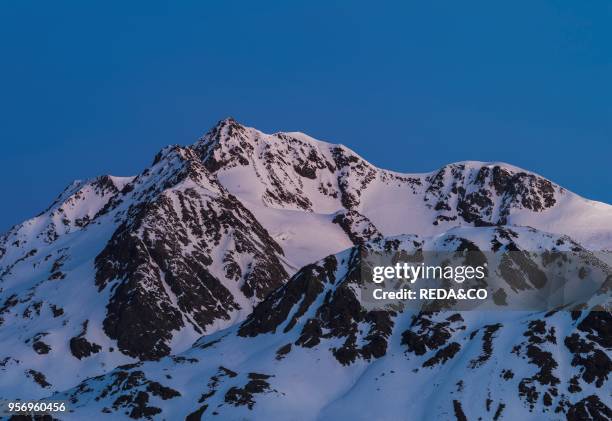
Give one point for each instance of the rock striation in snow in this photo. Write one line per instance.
(222, 280)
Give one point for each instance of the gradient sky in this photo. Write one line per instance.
(89, 88)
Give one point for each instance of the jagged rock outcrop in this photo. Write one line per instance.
(312, 337)
(260, 238)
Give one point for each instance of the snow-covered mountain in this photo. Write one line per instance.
(311, 351)
(292, 171)
(218, 281)
(125, 269)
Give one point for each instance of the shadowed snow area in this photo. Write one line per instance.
(223, 280)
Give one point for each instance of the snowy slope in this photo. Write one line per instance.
(310, 352)
(292, 171)
(132, 270)
(155, 265)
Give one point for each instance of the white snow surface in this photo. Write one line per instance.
(298, 211)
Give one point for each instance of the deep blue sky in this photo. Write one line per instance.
(91, 88)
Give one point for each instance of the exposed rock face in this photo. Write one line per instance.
(487, 195)
(338, 314)
(357, 227)
(74, 209)
(126, 269)
(124, 392)
(81, 347)
(295, 172)
(470, 364)
(427, 335)
(287, 165)
(163, 252)
(590, 346)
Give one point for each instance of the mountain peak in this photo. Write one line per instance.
(207, 232)
(226, 128)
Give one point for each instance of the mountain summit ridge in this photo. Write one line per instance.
(208, 232)
(302, 173)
